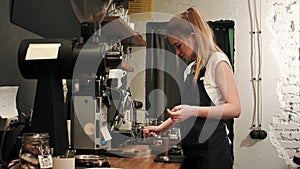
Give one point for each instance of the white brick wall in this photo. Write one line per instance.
(285, 128)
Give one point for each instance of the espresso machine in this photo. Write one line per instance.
(101, 103)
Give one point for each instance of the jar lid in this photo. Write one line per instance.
(34, 136)
(89, 160)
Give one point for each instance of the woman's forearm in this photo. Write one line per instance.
(166, 125)
(225, 111)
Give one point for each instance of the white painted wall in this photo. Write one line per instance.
(280, 76)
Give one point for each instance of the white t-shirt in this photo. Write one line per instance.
(209, 82)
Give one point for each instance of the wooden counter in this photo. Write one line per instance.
(140, 163)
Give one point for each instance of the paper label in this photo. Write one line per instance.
(42, 51)
(45, 161)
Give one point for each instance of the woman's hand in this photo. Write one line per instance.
(151, 131)
(182, 112)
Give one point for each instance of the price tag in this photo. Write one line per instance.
(45, 161)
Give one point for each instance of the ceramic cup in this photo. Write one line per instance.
(61, 162)
(117, 74)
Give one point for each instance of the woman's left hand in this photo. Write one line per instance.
(182, 112)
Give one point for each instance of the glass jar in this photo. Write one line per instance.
(35, 151)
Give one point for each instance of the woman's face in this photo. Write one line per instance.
(185, 47)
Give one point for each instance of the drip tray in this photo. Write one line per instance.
(172, 159)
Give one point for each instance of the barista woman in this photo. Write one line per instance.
(209, 95)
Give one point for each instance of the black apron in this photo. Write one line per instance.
(205, 143)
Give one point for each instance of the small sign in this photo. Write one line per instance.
(8, 105)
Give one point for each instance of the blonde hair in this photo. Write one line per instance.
(190, 21)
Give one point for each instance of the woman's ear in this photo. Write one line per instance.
(193, 34)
